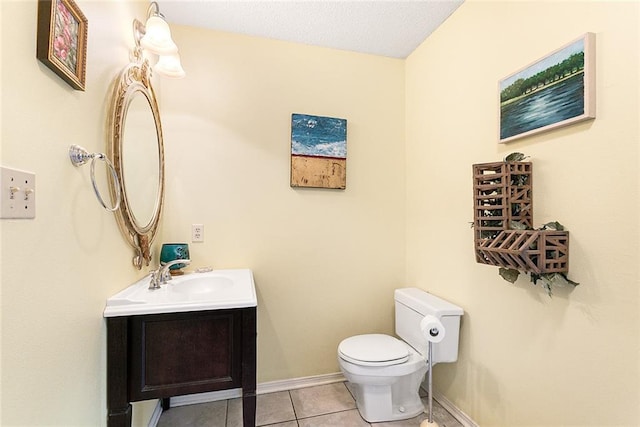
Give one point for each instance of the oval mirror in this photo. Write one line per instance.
(140, 158)
(136, 148)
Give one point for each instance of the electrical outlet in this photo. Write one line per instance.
(197, 233)
(17, 193)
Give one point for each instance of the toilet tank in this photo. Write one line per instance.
(412, 304)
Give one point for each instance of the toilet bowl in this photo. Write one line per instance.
(386, 386)
(384, 373)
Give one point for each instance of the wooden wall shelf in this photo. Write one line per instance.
(503, 192)
(535, 251)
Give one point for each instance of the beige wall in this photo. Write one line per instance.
(1, 104)
(307, 247)
(526, 359)
(58, 269)
(325, 261)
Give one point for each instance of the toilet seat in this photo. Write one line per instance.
(373, 350)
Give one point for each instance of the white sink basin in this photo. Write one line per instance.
(213, 290)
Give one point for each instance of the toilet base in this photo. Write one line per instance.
(380, 403)
(376, 406)
(387, 398)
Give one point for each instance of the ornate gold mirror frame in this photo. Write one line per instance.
(138, 230)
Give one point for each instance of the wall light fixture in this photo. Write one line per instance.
(154, 36)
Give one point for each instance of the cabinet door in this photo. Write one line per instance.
(185, 353)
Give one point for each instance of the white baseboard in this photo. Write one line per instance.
(296, 383)
(213, 396)
(463, 418)
(291, 384)
(155, 416)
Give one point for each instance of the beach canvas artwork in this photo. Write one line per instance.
(554, 91)
(318, 151)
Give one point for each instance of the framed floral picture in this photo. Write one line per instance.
(62, 40)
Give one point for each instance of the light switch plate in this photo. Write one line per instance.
(17, 193)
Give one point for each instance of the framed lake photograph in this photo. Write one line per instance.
(62, 40)
(318, 152)
(555, 91)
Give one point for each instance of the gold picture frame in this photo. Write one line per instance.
(62, 40)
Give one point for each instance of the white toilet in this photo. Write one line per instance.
(385, 373)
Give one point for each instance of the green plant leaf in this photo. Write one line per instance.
(559, 279)
(547, 287)
(550, 280)
(553, 225)
(509, 274)
(571, 282)
(517, 225)
(515, 157)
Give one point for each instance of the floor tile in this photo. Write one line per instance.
(349, 418)
(422, 392)
(329, 405)
(441, 415)
(234, 413)
(211, 414)
(287, 424)
(320, 400)
(274, 408)
(349, 387)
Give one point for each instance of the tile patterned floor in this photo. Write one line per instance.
(328, 405)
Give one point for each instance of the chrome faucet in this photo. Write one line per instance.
(162, 275)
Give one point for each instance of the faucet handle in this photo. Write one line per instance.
(154, 279)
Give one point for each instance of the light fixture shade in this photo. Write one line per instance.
(169, 66)
(157, 38)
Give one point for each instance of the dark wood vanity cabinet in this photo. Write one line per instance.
(158, 356)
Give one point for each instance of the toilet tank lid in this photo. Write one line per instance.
(426, 303)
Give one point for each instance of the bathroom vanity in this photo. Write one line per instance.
(197, 334)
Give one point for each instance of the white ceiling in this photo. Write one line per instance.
(392, 28)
